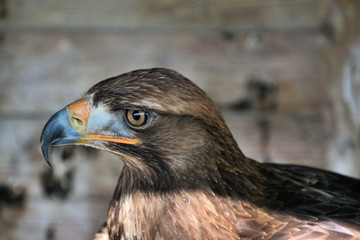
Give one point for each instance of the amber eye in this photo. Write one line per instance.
(137, 118)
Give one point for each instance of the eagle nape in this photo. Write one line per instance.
(184, 176)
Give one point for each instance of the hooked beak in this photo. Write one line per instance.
(57, 131)
(69, 126)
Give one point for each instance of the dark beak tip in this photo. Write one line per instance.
(45, 152)
(45, 147)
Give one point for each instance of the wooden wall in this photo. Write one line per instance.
(285, 74)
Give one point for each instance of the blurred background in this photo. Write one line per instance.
(285, 74)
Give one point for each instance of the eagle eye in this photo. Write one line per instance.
(136, 118)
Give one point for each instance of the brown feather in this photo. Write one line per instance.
(188, 179)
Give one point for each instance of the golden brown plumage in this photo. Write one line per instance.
(185, 177)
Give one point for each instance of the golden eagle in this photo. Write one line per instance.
(184, 176)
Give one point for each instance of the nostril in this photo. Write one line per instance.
(77, 122)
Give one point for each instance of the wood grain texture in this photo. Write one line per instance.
(343, 56)
(60, 67)
(163, 15)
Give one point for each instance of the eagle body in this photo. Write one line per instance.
(306, 203)
(184, 176)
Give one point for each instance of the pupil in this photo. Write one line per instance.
(136, 115)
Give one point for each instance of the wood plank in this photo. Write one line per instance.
(166, 15)
(292, 139)
(343, 58)
(72, 219)
(43, 72)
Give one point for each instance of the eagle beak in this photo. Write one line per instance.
(68, 126)
(57, 131)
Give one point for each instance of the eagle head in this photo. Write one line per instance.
(166, 130)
